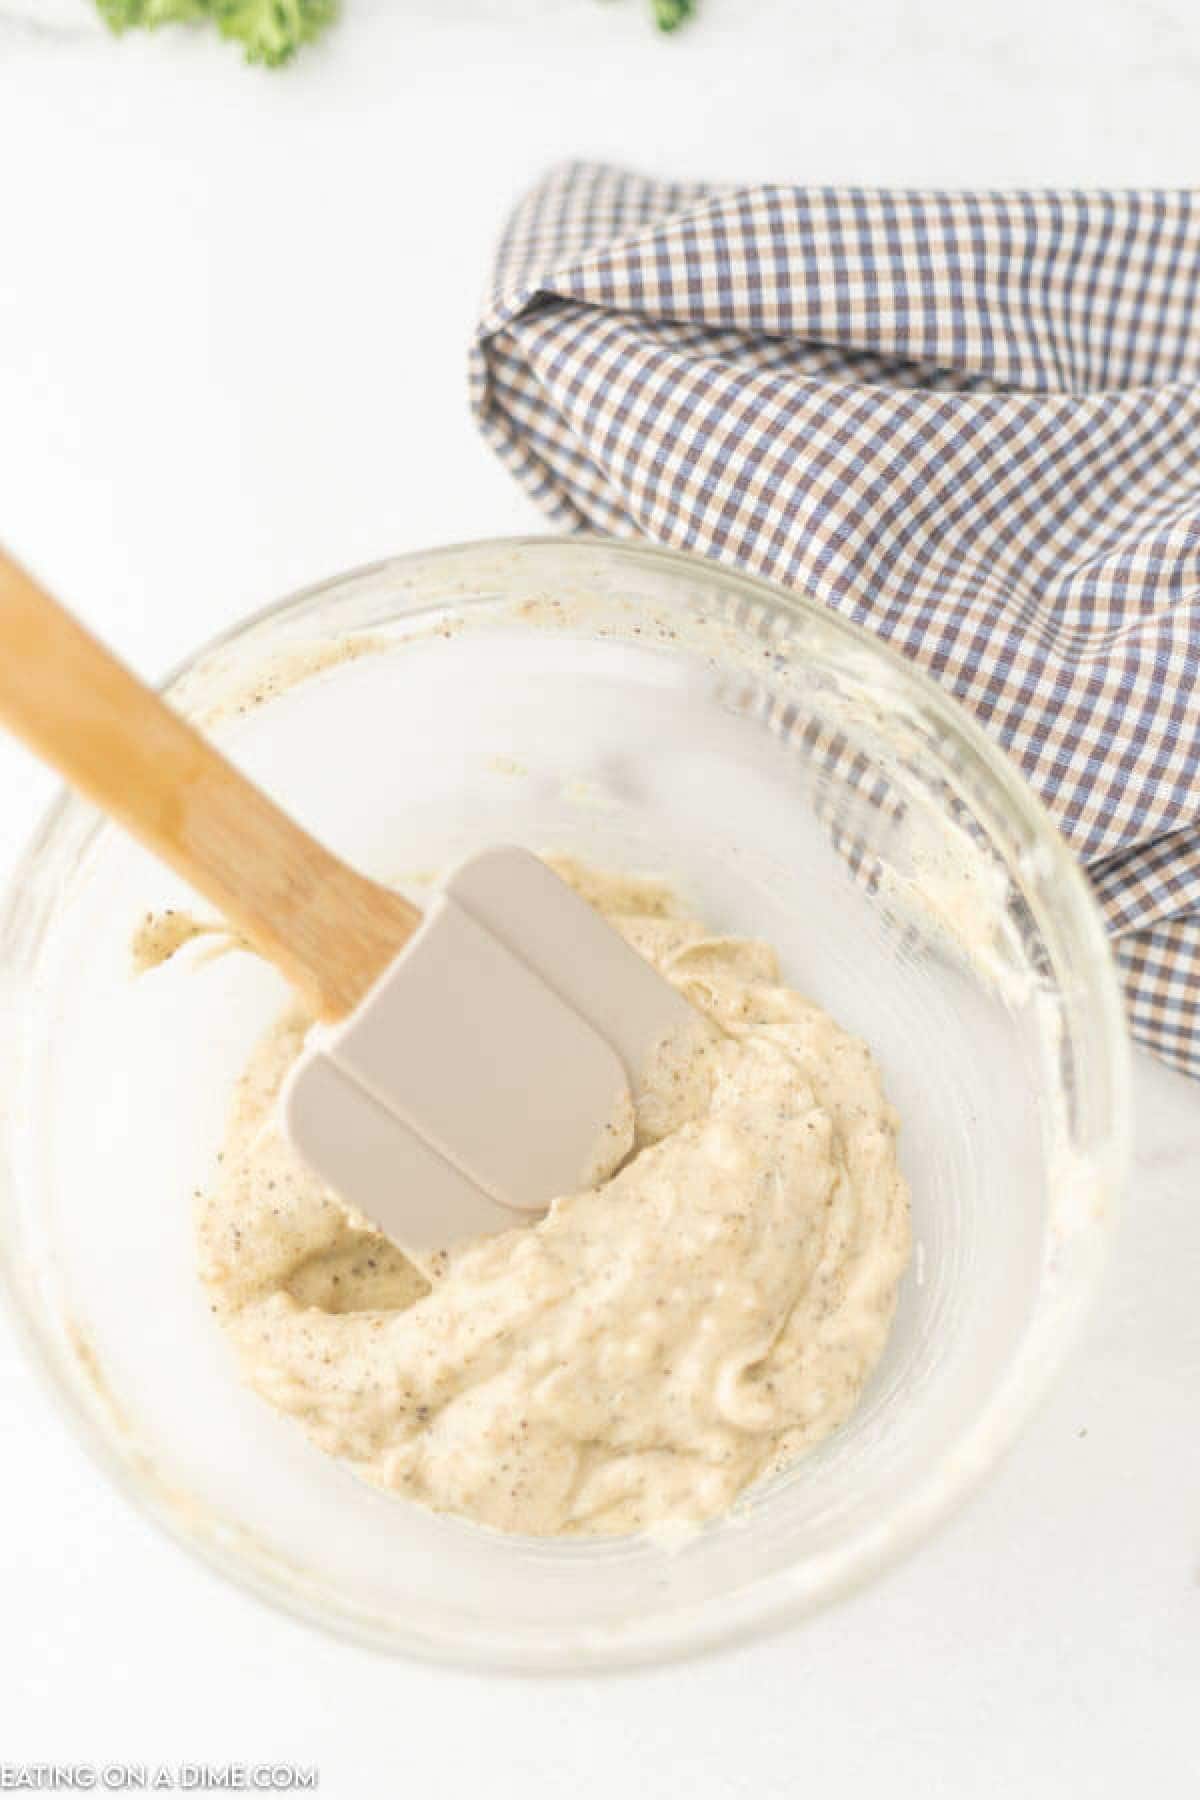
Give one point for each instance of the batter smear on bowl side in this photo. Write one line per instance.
(648, 1349)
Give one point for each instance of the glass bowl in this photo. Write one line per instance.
(648, 711)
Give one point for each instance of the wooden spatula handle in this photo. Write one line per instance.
(328, 929)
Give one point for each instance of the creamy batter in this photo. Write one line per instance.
(650, 1347)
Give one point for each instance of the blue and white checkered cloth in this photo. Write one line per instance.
(968, 421)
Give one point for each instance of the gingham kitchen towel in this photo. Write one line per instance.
(968, 421)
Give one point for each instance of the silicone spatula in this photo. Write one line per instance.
(468, 1064)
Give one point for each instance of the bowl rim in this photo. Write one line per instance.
(767, 1603)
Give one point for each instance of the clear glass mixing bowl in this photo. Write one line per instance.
(648, 711)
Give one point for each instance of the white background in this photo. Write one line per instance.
(233, 314)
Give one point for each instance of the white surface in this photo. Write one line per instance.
(233, 309)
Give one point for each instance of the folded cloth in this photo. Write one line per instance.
(968, 421)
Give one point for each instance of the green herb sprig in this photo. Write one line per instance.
(669, 15)
(271, 31)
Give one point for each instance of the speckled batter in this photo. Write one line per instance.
(648, 1349)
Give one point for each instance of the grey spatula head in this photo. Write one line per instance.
(493, 1065)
